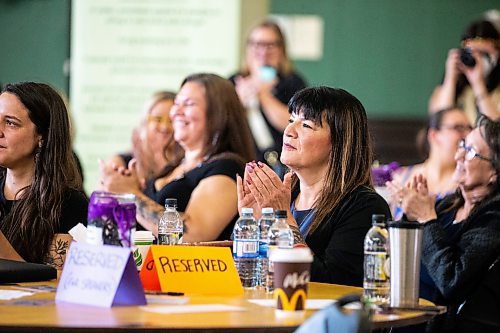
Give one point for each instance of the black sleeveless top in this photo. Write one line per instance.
(182, 187)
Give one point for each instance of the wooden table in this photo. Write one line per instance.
(43, 315)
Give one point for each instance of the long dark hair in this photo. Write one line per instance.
(351, 156)
(31, 224)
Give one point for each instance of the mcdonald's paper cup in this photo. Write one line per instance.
(291, 275)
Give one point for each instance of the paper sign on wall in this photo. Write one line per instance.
(202, 270)
(101, 276)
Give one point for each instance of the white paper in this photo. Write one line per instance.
(304, 35)
(6, 295)
(192, 308)
(157, 299)
(79, 233)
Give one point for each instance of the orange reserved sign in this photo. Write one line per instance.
(204, 270)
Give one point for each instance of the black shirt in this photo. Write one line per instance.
(338, 242)
(182, 187)
(73, 211)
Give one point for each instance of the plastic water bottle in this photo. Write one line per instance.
(170, 227)
(279, 236)
(376, 284)
(265, 222)
(246, 248)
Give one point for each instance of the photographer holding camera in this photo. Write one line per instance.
(472, 74)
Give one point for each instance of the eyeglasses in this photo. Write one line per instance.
(470, 152)
(263, 45)
(159, 120)
(457, 128)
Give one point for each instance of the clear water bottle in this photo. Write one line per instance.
(246, 248)
(170, 227)
(279, 236)
(376, 284)
(265, 222)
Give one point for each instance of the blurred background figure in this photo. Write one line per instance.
(265, 84)
(41, 196)
(472, 74)
(209, 124)
(153, 144)
(438, 144)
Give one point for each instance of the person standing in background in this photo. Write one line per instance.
(265, 84)
(474, 88)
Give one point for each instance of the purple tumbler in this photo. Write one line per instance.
(110, 219)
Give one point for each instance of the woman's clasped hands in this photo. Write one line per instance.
(414, 198)
(261, 187)
(118, 179)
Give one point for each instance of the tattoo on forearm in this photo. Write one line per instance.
(297, 236)
(149, 209)
(57, 253)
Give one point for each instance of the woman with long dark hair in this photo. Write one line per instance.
(328, 194)
(41, 196)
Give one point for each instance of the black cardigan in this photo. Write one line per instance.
(458, 266)
(337, 243)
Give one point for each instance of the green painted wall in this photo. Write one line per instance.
(34, 41)
(388, 53)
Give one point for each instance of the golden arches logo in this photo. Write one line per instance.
(290, 304)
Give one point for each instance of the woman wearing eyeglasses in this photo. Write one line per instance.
(265, 84)
(153, 144)
(444, 130)
(461, 238)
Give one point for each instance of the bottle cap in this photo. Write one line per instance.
(378, 219)
(267, 210)
(246, 210)
(280, 214)
(170, 202)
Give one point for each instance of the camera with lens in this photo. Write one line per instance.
(466, 57)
